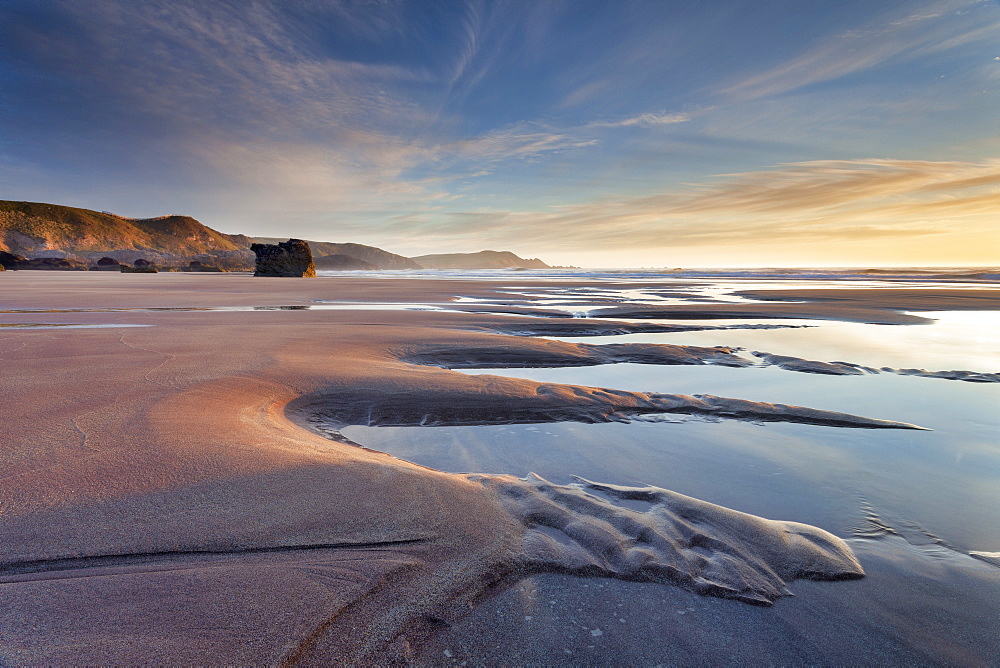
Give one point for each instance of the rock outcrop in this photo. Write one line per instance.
(13, 261)
(108, 264)
(287, 258)
(140, 267)
(195, 265)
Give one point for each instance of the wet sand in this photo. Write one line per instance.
(166, 498)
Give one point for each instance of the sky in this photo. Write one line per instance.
(657, 133)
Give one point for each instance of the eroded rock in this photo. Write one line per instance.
(140, 266)
(287, 258)
(108, 264)
(195, 265)
(50, 264)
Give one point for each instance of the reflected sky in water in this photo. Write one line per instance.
(963, 340)
(944, 482)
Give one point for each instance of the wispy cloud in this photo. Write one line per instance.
(800, 202)
(517, 142)
(898, 35)
(645, 120)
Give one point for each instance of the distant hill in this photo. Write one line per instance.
(486, 259)
(341, 262)
(39, 230)
(375, 256)
(28, 228)
(35, 229)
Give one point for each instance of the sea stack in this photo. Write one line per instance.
(288, 258)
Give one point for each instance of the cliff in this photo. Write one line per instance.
(29, 228)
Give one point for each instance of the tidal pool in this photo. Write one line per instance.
(944, 482)
(912, 504)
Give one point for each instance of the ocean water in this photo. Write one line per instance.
(914, 505)
(813, 277)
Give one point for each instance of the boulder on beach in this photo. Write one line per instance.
(287, 258)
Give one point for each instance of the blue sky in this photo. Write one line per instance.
(654, 133)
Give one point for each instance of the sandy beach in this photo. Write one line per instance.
(176, 488)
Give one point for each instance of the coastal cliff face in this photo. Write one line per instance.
(30, 227)
(38, 230)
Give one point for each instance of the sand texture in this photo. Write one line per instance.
(166, 499)
(586, 529)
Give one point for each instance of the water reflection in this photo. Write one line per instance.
(966, 340)
(816, 475)
(945, 481)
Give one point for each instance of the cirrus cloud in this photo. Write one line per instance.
(644, 120)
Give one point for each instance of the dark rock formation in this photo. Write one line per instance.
(108, 264)
(238, 260)
(11, 260)
(140, 266)
(51, 264)
(195, 265)
(342, 262)
(288, 258)
(242, 260)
